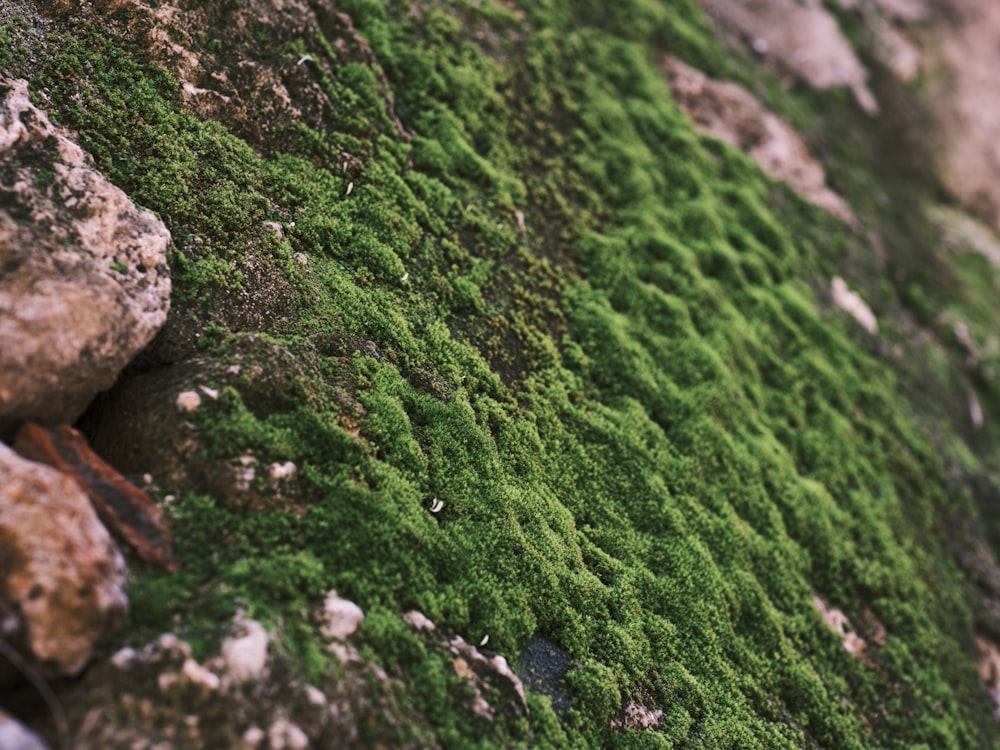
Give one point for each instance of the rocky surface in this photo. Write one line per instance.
(471, 320)
(964, 53)
(15, 736)
(62, 580)
(85, 284)
(730, 113)
(492, 682)
(803, 39)
(853, 643)
(242, 697)
(123, 508)
(168, 412)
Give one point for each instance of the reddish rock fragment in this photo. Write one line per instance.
(121, 506)
(62, 579)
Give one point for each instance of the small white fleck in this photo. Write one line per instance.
(486, 639)
(350, 187)
(437, 506)
(124, 658)
(404, 277)
(212, 393)
(147, 478)
(305, 58)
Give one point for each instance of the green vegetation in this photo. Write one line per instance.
(651, 444)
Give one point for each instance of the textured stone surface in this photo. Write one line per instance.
(61, 576)
(84, 283)
(340, 617)
(123, 508)
(965, 99)
(15, 736)
(244, 654)
(732, 114)
(802, 39)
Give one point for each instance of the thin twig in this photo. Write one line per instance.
(43, 689)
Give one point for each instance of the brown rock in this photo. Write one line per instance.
(85, 283)
(732, 114)
(964, 95)
(62, 580)
(124, 508)
(483, 674)
(802, 38)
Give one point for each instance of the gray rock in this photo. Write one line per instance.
(542, 666)
(84, 283)
(15, 736)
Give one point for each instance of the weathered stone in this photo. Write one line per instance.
(853, 305)
(85, 283)
(542, 666)
(482, 672)
(853, 643)
(284, 735)
(637, 716)
(802, 38)
(418, 621)
(15, 736)
(60, 573)
(988, 661)
(732, 114)
(244, 655)
(340, 617)
(964, 94)
(124, 508)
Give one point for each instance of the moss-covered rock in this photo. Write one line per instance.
(548, 363)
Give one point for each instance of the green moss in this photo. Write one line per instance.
(651, 445)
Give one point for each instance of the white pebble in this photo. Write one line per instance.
(187, 401)
(282, 471)
(200, 676)
(252, 738)
(418, 620)
(852, 303)
(245, 656)
(284, 735)
(340, 617)
(315, 696)
(123, 658)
